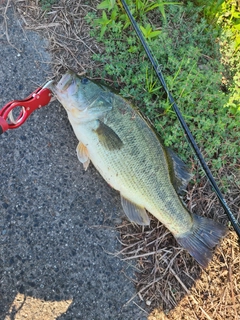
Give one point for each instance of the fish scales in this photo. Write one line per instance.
(130, 157)
(139, 170)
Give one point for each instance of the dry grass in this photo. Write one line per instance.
(167, 277)
(216, 294)
(171, 280)
(66, 30)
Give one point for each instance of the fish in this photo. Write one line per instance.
(130, 156)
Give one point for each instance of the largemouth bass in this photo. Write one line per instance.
(130, 157)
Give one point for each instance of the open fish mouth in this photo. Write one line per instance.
(66, 88)
(65, 82)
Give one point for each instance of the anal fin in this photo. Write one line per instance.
(134, 212)
(82, 154)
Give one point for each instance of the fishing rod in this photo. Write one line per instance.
(187, 131)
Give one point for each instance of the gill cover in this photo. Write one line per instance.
(82, 99)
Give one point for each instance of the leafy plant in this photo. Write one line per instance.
(104, 22)
(47, 4)
(190, 61)
(210, 8)
(139, 8)
(229, 20)
(225, 15)
(148, 32)
(107, 4)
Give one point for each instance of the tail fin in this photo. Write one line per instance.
(202, 238)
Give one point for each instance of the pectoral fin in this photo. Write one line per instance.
(107, 137)
(82, 154)
(134, 212)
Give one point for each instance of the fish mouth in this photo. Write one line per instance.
(65, 82)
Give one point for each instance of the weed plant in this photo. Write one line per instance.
(229, 19)
(47, 4)
(187, 51)
(226, 15)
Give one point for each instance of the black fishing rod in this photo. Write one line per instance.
(182, 122)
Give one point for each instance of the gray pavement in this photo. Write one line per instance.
(56, 220)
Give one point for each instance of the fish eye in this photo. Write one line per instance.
(84, 80)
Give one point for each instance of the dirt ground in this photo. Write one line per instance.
(170, 282)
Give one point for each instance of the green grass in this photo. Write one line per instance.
(188, 53)
(229, 20)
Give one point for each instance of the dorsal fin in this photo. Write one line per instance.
(179, 172)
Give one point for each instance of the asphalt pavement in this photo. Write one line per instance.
(56, 220)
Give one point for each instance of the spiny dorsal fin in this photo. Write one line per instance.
(107, 137)
(134, 212)
(82, 154)
(179, 172)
